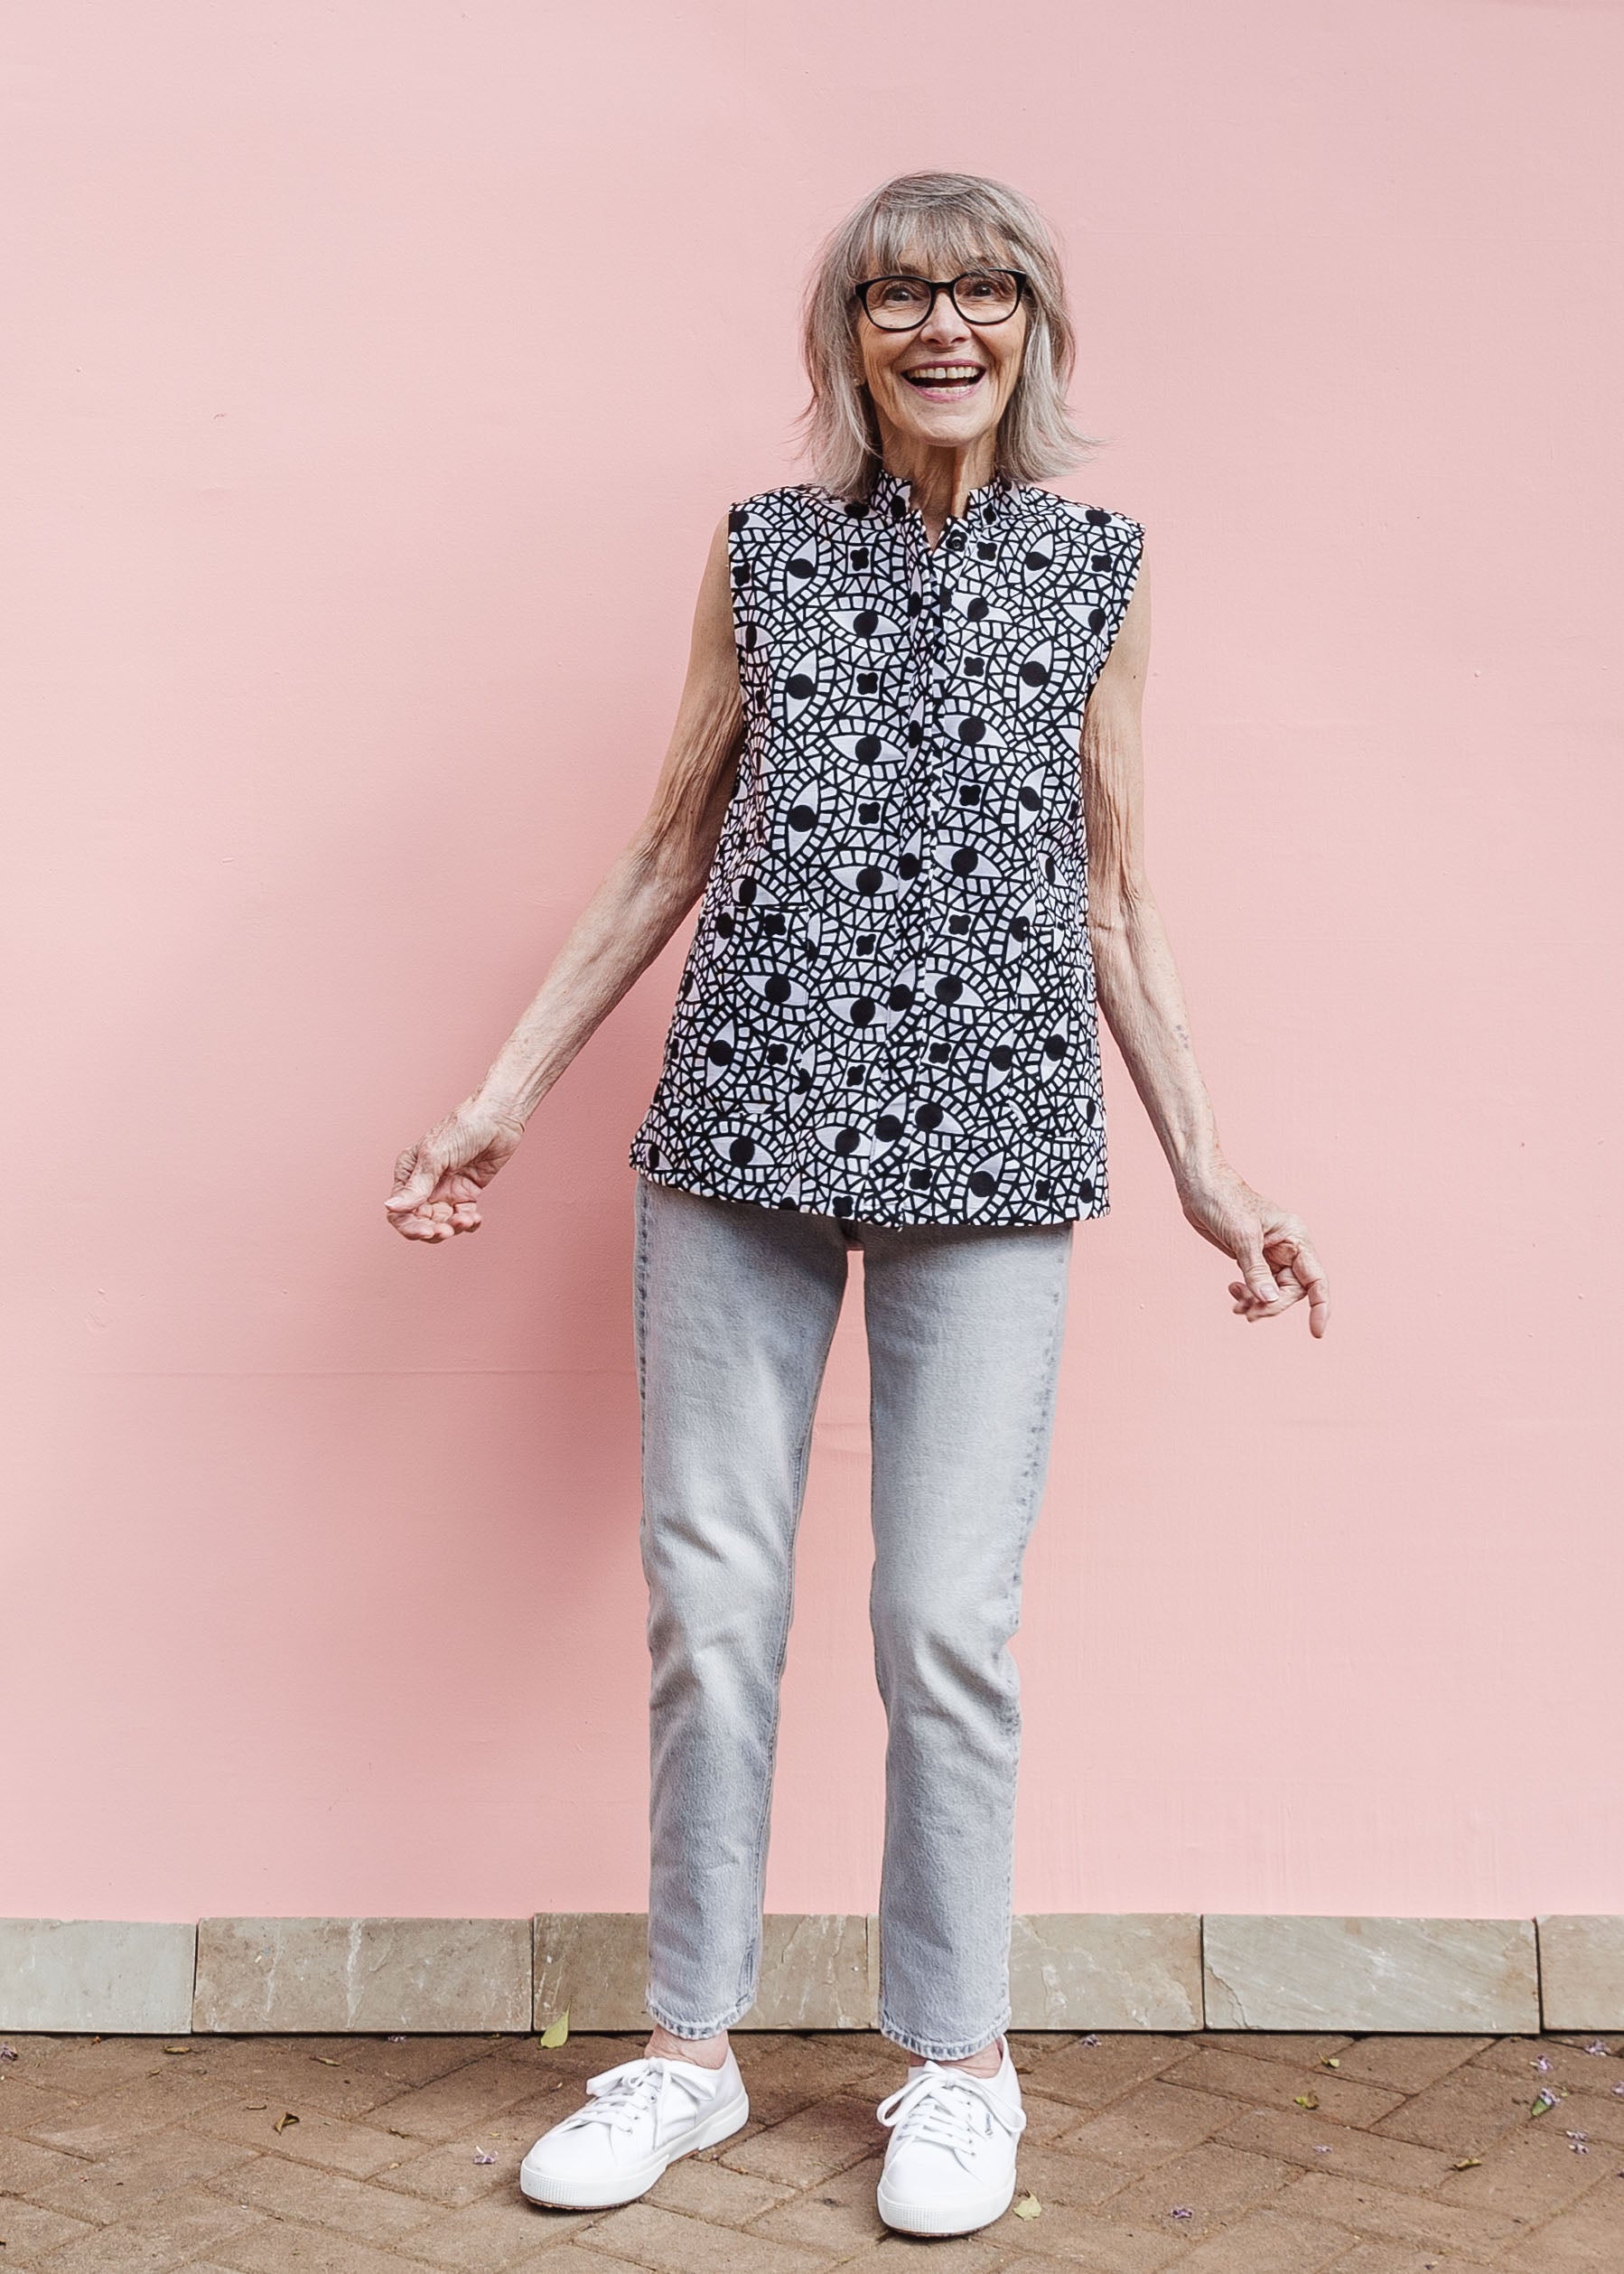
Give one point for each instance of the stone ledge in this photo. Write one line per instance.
(329, 1975)
(1582, 1971)
(128, 1977)
(1455, 1975)
(1165, 1972)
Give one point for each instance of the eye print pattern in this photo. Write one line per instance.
(887, 1009)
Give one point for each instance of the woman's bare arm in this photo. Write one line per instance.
(629, 920)
(1143, 1003)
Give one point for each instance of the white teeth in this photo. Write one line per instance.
(945, 371)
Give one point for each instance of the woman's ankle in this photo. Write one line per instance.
(705, 2053)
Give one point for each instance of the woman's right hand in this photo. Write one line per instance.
(438, 1181)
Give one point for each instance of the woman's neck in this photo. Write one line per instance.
(942, 479)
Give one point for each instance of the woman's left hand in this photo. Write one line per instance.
(1278, 1264)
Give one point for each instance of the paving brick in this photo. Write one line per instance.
(1150, 2126)
(1372, 2211)
(450, 2174)
(1214, 2184)
(1057, 2175)
(811, 2145)
(28, 2169)
(360, 2150)
(797, 2071)
(452, 2104)
(702, 2188)
(1302, 2139)
(1093, 2075)
(1408, 2063)
(275, 2248)
(84, 2067)
(1569, 2066)
(1268, 2243)
(1529, 2173)
(838, 2215)
(165, 2232)
(146, 2104)
(1046, 2119)
(1462, 2113)
(1301, 2048)
(153, 2165)
(1587, 2240)
(902, 2254)
(343, 2081)
(674, 2245)
(27, 2233)
(1403, 2257)
(26, 2108)
(488, 2237)
(1274, 2083)
(1076, 2238)
(283, 2190)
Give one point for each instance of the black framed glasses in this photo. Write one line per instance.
(981, 295)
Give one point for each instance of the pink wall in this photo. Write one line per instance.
(348, 587)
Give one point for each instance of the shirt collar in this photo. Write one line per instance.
(891, 498)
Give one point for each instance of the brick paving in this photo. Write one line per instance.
(1215, 2153)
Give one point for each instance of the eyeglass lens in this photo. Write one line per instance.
(982, 295)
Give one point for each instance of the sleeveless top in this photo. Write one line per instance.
(887, 1009)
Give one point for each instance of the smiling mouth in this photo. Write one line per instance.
(945, 382)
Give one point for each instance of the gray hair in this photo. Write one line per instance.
(951, 220)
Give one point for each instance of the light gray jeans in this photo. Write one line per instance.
(734, 1309)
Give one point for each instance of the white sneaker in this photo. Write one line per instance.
(950, 2164)
(638, 2118)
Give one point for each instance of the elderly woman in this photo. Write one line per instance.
(905, 779)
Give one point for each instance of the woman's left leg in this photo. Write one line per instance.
(965, 1329)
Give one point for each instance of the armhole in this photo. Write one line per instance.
(1128, 551)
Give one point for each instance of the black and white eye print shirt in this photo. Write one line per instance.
(887, 1011)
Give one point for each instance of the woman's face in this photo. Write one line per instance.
(947, 385)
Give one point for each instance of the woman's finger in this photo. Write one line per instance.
(1256, 1271)
(419, 1185)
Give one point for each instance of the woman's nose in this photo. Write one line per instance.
(944, 324)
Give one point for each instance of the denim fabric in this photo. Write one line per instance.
(735, 1306)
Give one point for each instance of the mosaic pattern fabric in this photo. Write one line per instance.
(887, 1010)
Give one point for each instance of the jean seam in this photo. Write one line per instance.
(746, 1990)
(1036, 1461)
(1046, 1382)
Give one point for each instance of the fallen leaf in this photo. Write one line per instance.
(1466, 2163)
(483, 2155)
(177, 2048)
(1181, 2210)
(8, 2052)
(1306, 2100)
(284, 2120)
(255, 2105)
(1330, 2060)
(1544, 2101)
(1029, 2207)
(557, 2032)
(325, 2059)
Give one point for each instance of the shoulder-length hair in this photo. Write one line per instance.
(952, 221)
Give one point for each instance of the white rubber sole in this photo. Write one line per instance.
(560, 2193)
(964, 2217)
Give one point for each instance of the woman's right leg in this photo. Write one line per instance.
(735, 1310)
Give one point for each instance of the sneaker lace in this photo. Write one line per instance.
(621, 2098)
(949, 2108)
